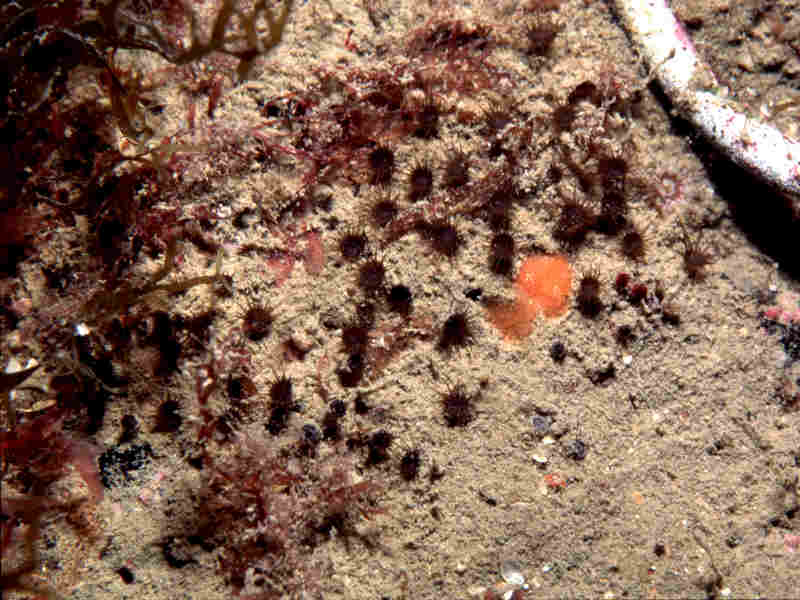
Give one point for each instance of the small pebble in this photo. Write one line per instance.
(511, 572)
(576, 450)
(558, 352)
(540, 424)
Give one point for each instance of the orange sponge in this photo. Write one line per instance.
(543, 285)
(546, 281)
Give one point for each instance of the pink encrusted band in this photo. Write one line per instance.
(690, 84)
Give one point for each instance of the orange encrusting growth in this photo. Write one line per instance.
(543, 286)
(546, 281)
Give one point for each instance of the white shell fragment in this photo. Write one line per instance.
(13, 366)
(511, 572)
